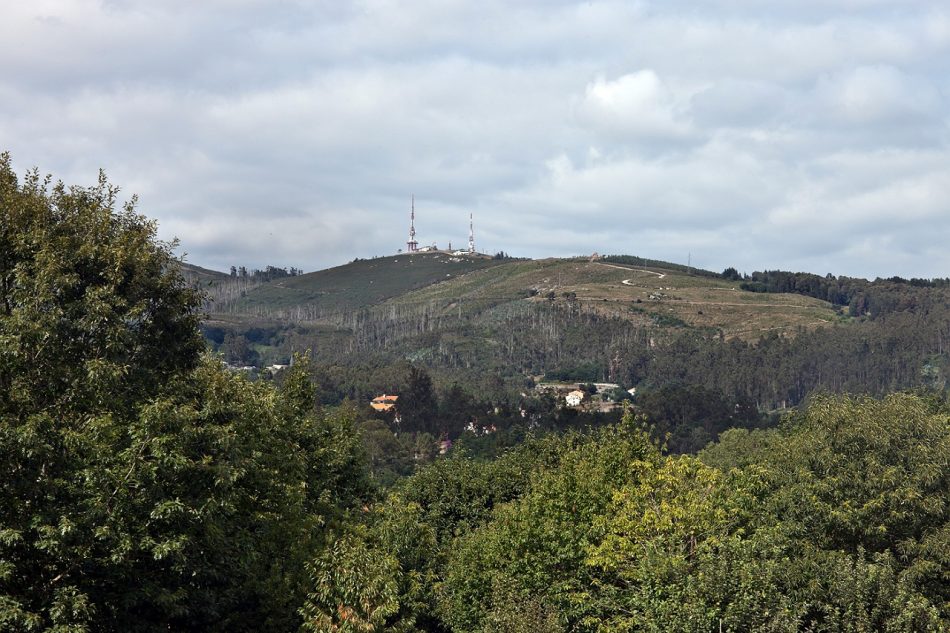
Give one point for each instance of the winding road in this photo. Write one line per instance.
(626, 282)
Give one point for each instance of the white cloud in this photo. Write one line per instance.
(791, 134)
(871, 94)
(634, 106)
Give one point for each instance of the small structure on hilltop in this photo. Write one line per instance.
(471, 235)
(384, 402)
(412, 245)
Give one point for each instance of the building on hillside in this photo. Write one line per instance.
(574, 398)
(384, 402)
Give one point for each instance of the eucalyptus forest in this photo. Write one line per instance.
(789, 480)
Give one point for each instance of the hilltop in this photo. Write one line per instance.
(359, 284)
(661, 295)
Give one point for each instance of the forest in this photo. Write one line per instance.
(147, 487)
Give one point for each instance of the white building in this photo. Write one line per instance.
(574, 398)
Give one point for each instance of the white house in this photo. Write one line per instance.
(574, 398)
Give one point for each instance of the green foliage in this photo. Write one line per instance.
(390, 457)
(458, 493)
(668, 320)
(585, 372)
(692, 416)
(353, 589)
(731, 274)
(657, 534)
(236, 351)
(515, 612)
(737, 448)
(93, 314)
(423, 516)
(859, 472)
(418, 405)
(836, 522)
(876, 298)
(198, 513)
(535, 545)
(144, 489)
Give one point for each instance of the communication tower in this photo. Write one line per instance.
(412, 245)
(471, 235)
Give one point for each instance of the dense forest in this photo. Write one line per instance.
(498, 354)
(147, 487)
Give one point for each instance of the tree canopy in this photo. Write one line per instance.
(144, 488)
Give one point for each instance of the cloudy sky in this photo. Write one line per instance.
(796, 134)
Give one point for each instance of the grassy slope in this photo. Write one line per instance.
(203, 275)
(614, 289)
(667, 297)
(362, 283)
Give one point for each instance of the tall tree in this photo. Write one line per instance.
(143, 489)
(418, 407)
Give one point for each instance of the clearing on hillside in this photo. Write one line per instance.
(654, 295)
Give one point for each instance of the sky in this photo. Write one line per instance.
(804, 135)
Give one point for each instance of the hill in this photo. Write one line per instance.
(203, 276)
(663, 296)
(659, 296)
(327, 293)
(499, 325)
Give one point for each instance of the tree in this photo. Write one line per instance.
(236, 350)
(457, 409)
(731, 274)
(390, 457)
(354, 589)
(834, 523)
(94, 320)
(657, 535)
(535, 546)
(417, 404)
(94, 313)
(142, 488)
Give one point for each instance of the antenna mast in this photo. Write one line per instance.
(471, 235)
(412, 245)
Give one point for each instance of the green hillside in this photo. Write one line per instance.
(770, 338)
(359, 284)
(511, 316)
(204, 276)
(657, 296)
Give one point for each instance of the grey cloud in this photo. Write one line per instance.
(809, 135)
